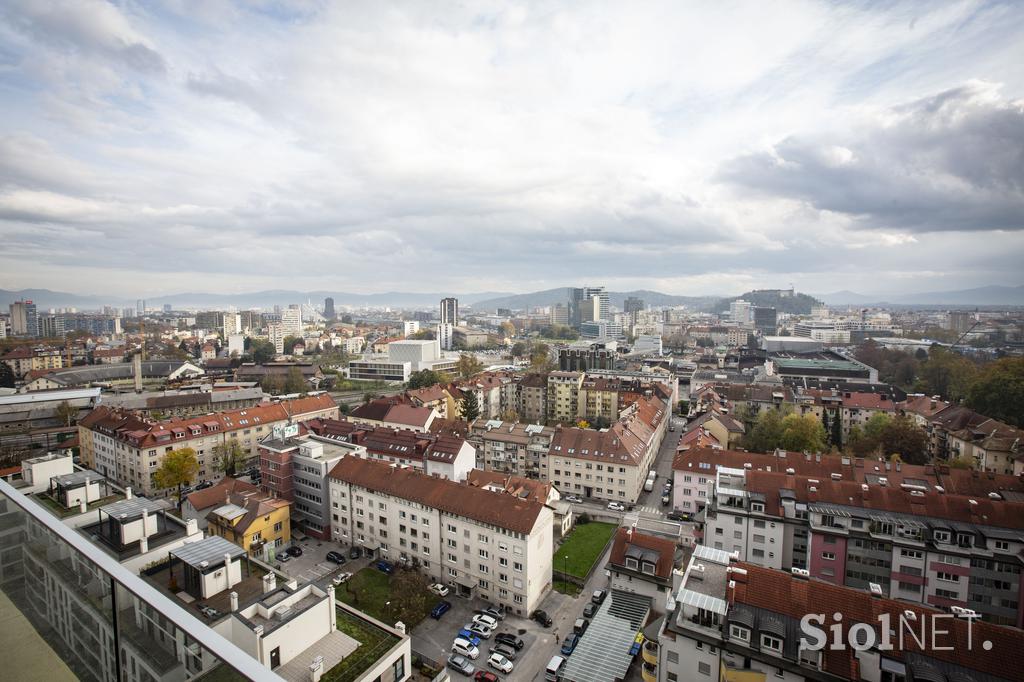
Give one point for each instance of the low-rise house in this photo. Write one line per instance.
(198, 504)
(643, 564)
(259, 525)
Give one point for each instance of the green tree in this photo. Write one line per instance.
(416, 599)
(66, 413)
(424, 378)
(289, 344)
(767, 432)
(902, 436)
(508, 330)
(947, 374)
(518, 349)
(294, 382)
(802, 433)
(230, 457)
(273, 383)
(469, 407)
(178, 469)
(467, 365)
(424, 335)
(262, 351)
(998, 391)
(540, 359)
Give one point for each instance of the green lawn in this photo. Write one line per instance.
(373, 643)
(370, 591)
(582, 548)
(571, 589)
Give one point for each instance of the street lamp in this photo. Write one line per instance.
(565, 571)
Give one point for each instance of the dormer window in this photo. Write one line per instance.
(648, 568)
(757, 507)
(965, 539)
(771, 643)
(739, 633)
(941, 536)
(632, 563)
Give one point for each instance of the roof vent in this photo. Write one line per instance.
(876, 589)
(790, 471)
(837, 477)
(995, 496)
(939, 489)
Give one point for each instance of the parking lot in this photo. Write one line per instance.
(433, 638)
(313, 566)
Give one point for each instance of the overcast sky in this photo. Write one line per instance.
(154, 148)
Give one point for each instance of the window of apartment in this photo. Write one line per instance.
(518, 598)
(759, 538)
(911, 553)
(278, 526)
(771, 642)
(828, 556)
(702, 668)
(453, 543)
(517, 566)
(484, 568)
(452, 529)
(484, 554)
(503, 577)
(737, 535)
(673, 656)
(758, 523)
(757, 507)
(739, 632)
(452, 572)
(947, 577)
(909, 587)
(759, 553)
(1002, 545)
(947, 594)
(941, 536)
(452, 558)
(483, 538)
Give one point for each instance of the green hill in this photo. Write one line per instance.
(783, 300)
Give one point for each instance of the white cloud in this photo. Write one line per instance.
(502, 147)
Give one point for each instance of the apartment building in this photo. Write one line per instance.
(893, 533)
(740, 622)
(394, 412)
(482, 543)
(128, 448)
(610, 464)
(512, 448)
(25, 359)
(644, 564)
(441, 454)
(563, 393)
(531, 401)
(294, 467)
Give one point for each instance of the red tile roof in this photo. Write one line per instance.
(496, 509)
(204, 499)
(794, 597)
(626, 537)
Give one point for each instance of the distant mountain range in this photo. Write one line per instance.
(489, 301)
(549, 297)
(44, 298)
(987, 296)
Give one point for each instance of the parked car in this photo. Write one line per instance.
(385, 567)
(598, 596)
(615, 506)
(284, 557)
(580, 626)
(575, 499)
(341, 578)
(439, 589)
(500, 663)
(479, 629)
(468, 636)
(204, 485)
(678, 516)
(489, 621)
(569, 644)
(460, 664)
(542, 617)
(495, 612)
(505, 650)
(464, 647)
(664, 500)
(441, 609)
(294, 550)
(355, 553)
(336, 557)
(508, 639)
(589, 610)
(668, 485)
(485, 676)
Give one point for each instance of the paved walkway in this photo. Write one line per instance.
(334, 648)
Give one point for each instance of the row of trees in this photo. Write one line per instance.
(882, 434)
(994, 389)
(292, 382)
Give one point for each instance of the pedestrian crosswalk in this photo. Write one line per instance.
(651, 510)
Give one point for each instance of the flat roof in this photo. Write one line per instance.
(602, 654)
(78, 478)
(134, 507)
(209, 551)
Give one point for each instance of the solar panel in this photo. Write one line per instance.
(718, 556)
(704, 601)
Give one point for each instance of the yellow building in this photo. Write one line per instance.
(260, 526)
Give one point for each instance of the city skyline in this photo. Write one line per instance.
(692, 151)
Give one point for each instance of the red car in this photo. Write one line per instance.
(485, 676)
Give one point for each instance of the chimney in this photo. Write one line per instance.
(269, 582)
(128, 493)
(82, 507)
(137, 371)
(227, 568)
(143, 541)
(234, 601)
(191, 527)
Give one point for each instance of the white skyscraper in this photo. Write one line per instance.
(291, 320)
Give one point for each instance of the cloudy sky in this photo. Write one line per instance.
(693, 148)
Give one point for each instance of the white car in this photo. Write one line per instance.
(341, 578)
(485, 620)
(480, 630)
(615, 506)
(464, 647)
(575, 499)
(439, 589)
(500, 663)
